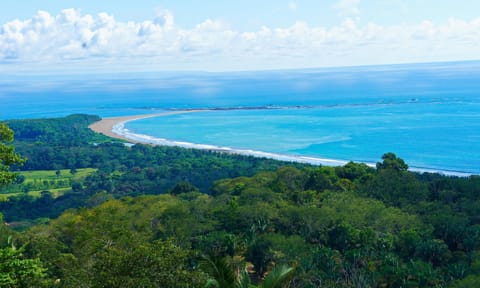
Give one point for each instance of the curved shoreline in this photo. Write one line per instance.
(115, 127)
(106, 125)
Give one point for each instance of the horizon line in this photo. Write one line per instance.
(36, 72)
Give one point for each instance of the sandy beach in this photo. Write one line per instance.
(108, 126)
(105, 126)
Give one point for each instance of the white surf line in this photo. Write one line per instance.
(119, 129)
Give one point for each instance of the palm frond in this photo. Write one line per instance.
(279, 277)
(243, 280)
(219, 270)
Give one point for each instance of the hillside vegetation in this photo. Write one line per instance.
(171, 217)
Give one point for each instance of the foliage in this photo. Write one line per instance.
(42, 180)
(56, 131)
(224, 275)
(68, 144)
(228, 275)
(145, 214)
(18, 271)
(8, 157)
(106, 247)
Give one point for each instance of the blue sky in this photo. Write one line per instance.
(249, 14)
(234, 35)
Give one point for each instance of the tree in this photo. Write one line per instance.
(18, 271)
(157, 264)
(8, 157)
(228, 275)
(183, 187)
(391, 161)
(260, 255)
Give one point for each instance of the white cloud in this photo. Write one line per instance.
(165, 18)
(72, 38)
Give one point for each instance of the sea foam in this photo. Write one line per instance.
(120, 130)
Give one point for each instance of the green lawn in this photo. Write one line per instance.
(51, 174)
(56, 192)
(45, 180)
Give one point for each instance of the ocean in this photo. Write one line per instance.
(428, 114)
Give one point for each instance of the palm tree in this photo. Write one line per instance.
(279, 277)
(226, 275)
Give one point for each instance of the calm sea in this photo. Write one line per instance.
(428, 114)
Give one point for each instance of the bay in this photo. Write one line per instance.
(428, 114)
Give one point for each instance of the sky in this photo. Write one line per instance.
(149, 35)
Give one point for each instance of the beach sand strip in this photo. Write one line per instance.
(105, 126)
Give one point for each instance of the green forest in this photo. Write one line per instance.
(85, 210)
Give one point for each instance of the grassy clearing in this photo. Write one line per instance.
(55, 181)
(31, 176)
(55, 192)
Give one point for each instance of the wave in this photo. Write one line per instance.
(120, 130)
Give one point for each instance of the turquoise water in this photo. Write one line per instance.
(428, 114)
(430, 135)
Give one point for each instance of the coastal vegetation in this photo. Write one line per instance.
(8, 157)
(37, 181)
(144, 216)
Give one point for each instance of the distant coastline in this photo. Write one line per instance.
(115, 127)
(382, 102)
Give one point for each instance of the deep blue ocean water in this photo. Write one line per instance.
(428, 114)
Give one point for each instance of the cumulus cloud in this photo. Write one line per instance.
(73, 37)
